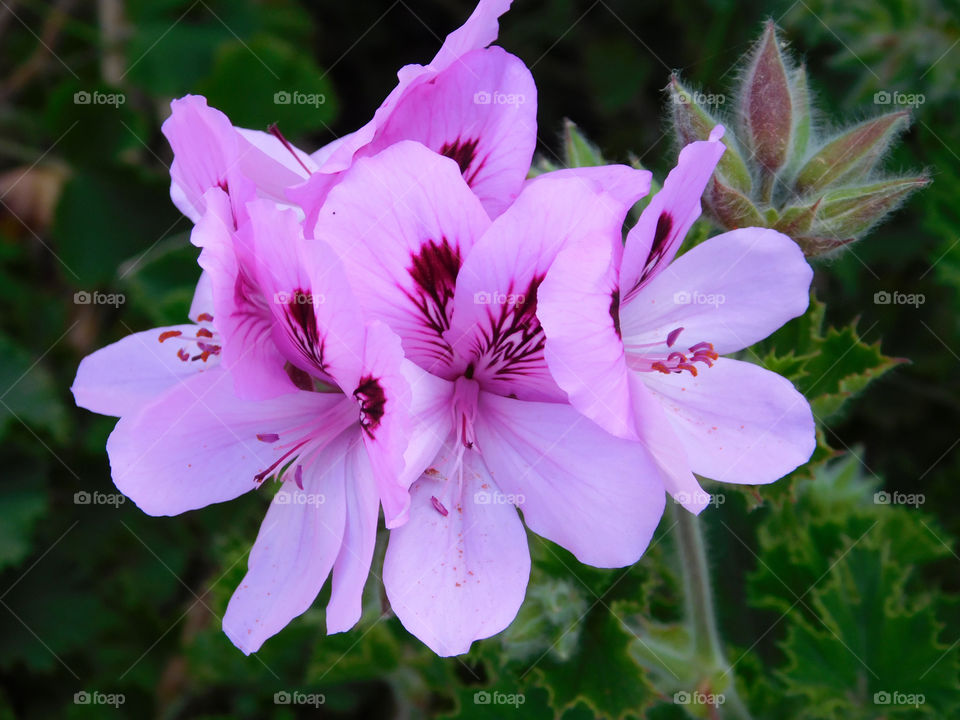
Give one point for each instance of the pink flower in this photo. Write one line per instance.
(335, 431)
(461, 292)
(634, 337)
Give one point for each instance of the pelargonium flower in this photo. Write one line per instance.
(461, 292)
(336, 434)
(635, 338)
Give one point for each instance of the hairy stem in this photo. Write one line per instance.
(700, 610)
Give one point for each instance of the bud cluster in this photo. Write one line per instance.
(778, 171)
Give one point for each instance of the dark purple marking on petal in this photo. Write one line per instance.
(302, 324)
(615, 310)
(370, 395)
(464, 152)
(434, 271)
(513, 344)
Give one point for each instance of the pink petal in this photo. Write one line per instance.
(626, 184)
(495, 328)
(480, 29)
(733, 290)
(123, 377)
(313, 316)
(579, 309)
(299, 540)
(665, 446)
(664, 223)
(455, 578)
(402, 221)
(197, 444)
(482, 112)
(352, 568)
(738, 422)
(241, 313)
(598, 496)
(389, 424)
(205, 146)
(202, 304)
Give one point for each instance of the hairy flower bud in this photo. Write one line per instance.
(766, 103)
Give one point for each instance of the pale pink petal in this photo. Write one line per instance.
(598, 496)
(738, 422)
(732, 290)
(480, 29)
(298, 543)
(664, 223)
(198, 443)
(578, 306)
(205, 147)
(495, 331)
(202, 304)
(386, 418)
(665, 446)
(401, 222)
(352, 568)
(273, 165)
(458, 570)
(430, 398)
(626, 184)
(482, 113)
(241, 315)
(123, 377)
(315, 322)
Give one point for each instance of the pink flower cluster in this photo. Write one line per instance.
(403, 320)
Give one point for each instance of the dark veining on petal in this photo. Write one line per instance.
(615, 310)
(515, 341)
(434, 271)
(370, 395)
(465, 153)
(302, 324)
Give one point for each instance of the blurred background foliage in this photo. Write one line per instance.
(825, 597)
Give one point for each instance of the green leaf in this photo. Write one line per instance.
(869, 645)
(602, 673)
(30, 394)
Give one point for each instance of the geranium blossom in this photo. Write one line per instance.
(461, 292)
(335, 431)
(635, 336)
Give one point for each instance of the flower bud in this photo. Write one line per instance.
(766, 103)
(850, 212)
(577, 150)
(855, 151)
(691, 122)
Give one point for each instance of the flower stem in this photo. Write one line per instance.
(700, 610)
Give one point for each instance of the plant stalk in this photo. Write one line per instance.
(701, 615)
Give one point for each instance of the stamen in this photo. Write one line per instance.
(687, 366)
(275, 131)
(660, 367)
(673, 335)
(438, 506)
(204, 317)
(261, 476)
(681, 358)
(203, 332)
(166, 335)
(268, 437)
(183, 354)
(298, 476)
